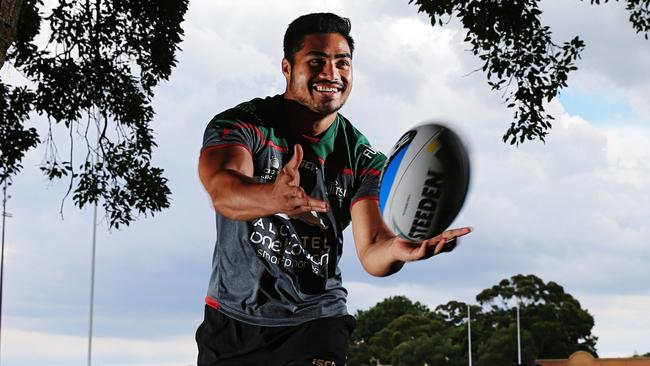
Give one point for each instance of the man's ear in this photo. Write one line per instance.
(286, 68)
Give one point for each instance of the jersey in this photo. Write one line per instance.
(277, 270)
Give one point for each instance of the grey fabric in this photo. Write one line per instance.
(277, 270)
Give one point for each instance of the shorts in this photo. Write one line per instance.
(225, 341)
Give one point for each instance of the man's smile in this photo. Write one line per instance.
(327, 89)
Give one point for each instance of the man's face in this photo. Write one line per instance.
(321, 76)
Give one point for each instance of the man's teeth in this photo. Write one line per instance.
(324, 89)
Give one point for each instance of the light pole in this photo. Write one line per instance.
(5, 214)
(92, 287)
(469, 334)
(92, 272)
(518, 338)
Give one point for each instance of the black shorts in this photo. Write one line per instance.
(224, 341)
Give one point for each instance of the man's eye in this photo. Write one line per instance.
(343, 64)
(316, 62)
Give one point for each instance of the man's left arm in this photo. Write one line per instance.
(381, 252)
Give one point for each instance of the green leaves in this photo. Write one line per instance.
(520, 58)
(97, 73)
(399, 332)
(126, 183)
(15, 140)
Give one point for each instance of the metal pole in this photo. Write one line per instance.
(92, 287)
(518, 338)
(469, 334)
(5, 214)
(92, 276)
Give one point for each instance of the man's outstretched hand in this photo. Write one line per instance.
(287, 195)
(408, 251)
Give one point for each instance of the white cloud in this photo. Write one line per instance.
(51, 349)
(622, 323)
(364, 295)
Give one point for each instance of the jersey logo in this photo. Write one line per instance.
(369, 152)
(271, 170)
(321, 362)
(308, 165)
(334, 189)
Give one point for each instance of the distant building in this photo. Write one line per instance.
(582, 358)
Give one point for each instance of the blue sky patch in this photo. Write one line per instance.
(598, 107)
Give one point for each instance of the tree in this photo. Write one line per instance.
(397, 331)
(556, 320)
(381, 328)
(505, 341)
(97, 72)
(519, 56)
(371, 321)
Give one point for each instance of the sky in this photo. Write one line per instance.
(573, 210)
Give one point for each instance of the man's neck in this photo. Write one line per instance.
(303, 121)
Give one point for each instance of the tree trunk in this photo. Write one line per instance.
(9, 14)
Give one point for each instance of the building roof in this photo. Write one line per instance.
(582, 358)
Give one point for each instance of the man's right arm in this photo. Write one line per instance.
(227, 176)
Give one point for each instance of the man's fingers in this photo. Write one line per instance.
(290, 170)
(313, 205)
(294, 162)
(300, 200)
(446, 246)
(310, 204)
(455, 233)
(318, 205)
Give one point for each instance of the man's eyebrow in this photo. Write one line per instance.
(323, 54)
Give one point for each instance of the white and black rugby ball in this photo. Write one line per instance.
(424, 182)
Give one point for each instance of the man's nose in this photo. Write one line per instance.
(330, 71)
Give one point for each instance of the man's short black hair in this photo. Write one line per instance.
(312, 24)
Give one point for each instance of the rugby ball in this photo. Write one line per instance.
(424, 182)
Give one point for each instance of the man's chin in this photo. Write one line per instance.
(328, 107)
(326, 110)
(322, 108)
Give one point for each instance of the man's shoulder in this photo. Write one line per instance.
(361, 148)
(256, 111)
(358, 140)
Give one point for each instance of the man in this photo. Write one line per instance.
(286, 175)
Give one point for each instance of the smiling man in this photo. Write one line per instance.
(286, 175)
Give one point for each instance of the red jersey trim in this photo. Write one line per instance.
(259, 133)
(213, 303)
(364, 171)
(226, 145)
(310, 139)
(363, 198)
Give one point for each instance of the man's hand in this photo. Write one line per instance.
(227, 175)
(381, 252)
(408, 251)
(287, 196)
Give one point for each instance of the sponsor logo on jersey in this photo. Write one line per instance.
(334, 189)
(368, 152)
(308, 165)
(281, 246)
(271, 170)
(320, 362)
